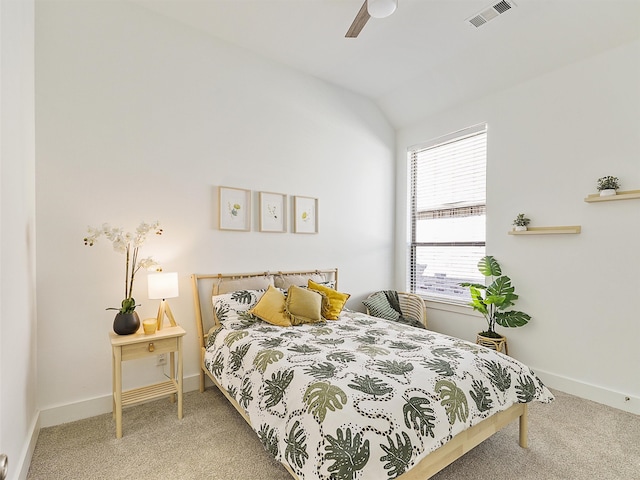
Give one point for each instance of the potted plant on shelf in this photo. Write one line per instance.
(520, 223)
(492, 302)
(608, 185)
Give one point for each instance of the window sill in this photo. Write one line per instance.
(460, 308)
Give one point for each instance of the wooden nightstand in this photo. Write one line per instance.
(131, 347)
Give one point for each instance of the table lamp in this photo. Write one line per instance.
(163, 286)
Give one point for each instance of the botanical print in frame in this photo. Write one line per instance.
(273, 212)
(235, 209)
(305, 215)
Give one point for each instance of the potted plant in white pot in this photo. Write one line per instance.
(493, 301)
(520, 223)
(608, 185)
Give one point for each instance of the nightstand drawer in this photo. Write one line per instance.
(151, 347)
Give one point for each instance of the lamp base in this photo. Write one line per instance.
(162, 311)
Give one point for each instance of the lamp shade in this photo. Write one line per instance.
(163, 285)
(381, 8)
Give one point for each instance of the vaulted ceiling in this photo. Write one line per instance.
(424, 58)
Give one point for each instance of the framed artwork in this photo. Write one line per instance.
(305, 215)
(273, 212)
(234, 209)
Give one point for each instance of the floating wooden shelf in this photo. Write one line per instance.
(548, 230)
(627, 195)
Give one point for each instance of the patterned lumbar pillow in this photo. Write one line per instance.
(333, 300)
(271, 308)
(303, 305)
(379, 306)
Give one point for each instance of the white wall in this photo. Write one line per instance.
(18, 409)
(140, 118)
(549, 140)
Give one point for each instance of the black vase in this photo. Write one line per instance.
(126, 323)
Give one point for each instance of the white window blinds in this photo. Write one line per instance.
(448, 213)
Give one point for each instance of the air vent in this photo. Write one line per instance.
(491, 12)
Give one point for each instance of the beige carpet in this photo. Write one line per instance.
(570, 439)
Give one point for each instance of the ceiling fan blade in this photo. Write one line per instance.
(359, 22)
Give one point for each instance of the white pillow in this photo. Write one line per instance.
(235, 306)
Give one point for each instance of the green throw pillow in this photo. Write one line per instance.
(379, 306)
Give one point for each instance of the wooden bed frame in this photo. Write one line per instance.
(430, 465)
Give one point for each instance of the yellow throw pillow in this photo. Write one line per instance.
(304, 306)
(334, 300)
(271, 308)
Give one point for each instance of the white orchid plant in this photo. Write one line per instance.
(128, 244)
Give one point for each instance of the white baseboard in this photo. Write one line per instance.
(23, 463)
(94, 406)
(98, 406)
(623, 401)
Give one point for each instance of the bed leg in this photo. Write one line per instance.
(524, 427)
(201, 381)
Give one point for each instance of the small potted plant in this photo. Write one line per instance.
(492, 302)
(520, 223)
(608, 185)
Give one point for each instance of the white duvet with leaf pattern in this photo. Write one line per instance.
(359, 397)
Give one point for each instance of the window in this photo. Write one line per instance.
(448, 213)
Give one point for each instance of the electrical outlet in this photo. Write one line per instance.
(161, 359)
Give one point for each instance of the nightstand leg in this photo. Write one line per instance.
(113, 382)
(118, 390)
(172, 374)
(180, 378)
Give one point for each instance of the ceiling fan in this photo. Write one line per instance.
(371, 8)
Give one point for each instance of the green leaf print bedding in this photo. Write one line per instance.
(358, 397)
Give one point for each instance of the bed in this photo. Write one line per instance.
(355, 397)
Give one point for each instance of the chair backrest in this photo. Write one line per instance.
(413, 306)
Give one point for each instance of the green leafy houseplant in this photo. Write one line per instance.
(521, 220)
(128, 244)
(493, 300)
(608, 183)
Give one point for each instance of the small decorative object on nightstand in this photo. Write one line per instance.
(150, 325)
(163, 286)
(139, 345)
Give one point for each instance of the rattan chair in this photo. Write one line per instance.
(411, 305)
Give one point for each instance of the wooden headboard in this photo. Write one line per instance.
(204, 285)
